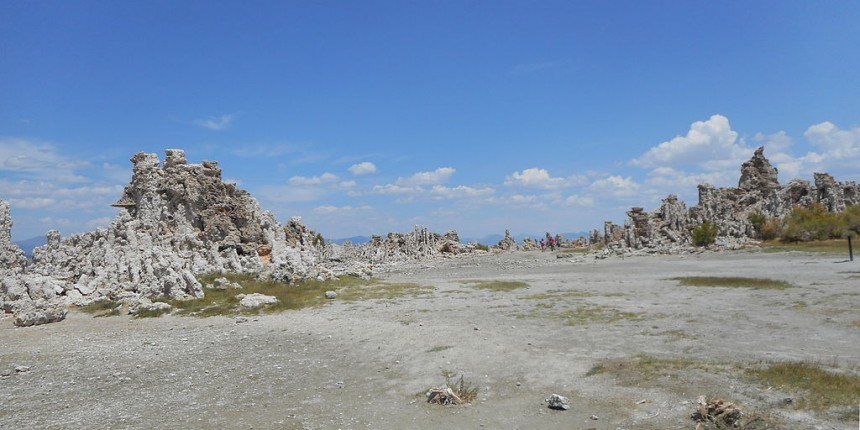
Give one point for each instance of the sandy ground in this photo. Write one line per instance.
(367, 364)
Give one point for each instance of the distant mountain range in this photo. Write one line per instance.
(30, 244)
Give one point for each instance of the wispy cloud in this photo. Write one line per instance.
(332, 210)
(438, 176)
(36, 159)
(216, 123)
(325, 178)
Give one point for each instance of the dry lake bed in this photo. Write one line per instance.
(625, 340)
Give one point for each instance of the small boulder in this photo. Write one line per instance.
(38, 316)
(256, 300)
(558, 402)
(330, 295)
(224, 283)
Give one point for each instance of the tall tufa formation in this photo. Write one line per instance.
(668, 228)
(11, 256)
(178, 220)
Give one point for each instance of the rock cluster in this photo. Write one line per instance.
(418, 244)
(178, 220)
(669, 227)
(30, 298)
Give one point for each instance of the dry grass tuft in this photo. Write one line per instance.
(732, 282)
(454, 392)
(497, 285)
(104, 308)
(818, 389)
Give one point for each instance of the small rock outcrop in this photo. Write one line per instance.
(508, 243)
(558, 402)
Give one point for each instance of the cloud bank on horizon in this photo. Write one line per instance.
(369, 118)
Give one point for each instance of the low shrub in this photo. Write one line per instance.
(705, 234)
(811, 222)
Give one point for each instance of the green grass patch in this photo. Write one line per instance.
(151, 313)
(732, 282)
(104, 308)
(834, 246)
(381, 291)
(558, 295)
(496, 285)
(819, 389)
(641, 369)
(584, 313)
(299, 295)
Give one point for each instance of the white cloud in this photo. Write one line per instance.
(540, 178)
(616, 186)
(577, 200)
(33, 202)
(460, 191)
(363, 168)
(835, 142)
(534, 177)
(215, 123)
(99, 222)
(39, 159)
(330, 209)
(396, 189)
(54, 196)
(325, 178)
(437, 176)
(710, 144)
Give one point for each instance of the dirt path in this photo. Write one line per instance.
(366, 364)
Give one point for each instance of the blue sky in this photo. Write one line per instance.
(374, 116)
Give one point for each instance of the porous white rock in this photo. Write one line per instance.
(256, 300)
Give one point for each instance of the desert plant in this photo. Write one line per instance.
(813, 222)
(765, 228)
(849, 220)
(757, 219)
(705, 234)
(819, 388)
(453, 392)
(102, 308)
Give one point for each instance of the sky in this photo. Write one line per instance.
(366, 117)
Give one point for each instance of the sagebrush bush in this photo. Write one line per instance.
(811, 222)
(850, 220)
(772, 229)
(705, 234)
(765, 228)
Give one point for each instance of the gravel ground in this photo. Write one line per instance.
(357, 365)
